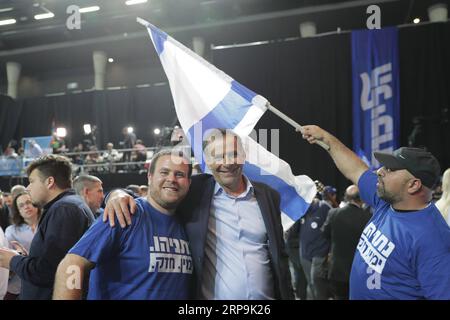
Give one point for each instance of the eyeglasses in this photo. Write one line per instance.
(23, 204)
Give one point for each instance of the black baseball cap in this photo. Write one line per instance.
(419, 162)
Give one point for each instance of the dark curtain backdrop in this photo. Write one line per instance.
(10, 113)
(425, 87)
(308, 79)
(144, 109)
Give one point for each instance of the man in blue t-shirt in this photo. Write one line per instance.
(404, 251)
(150, 259)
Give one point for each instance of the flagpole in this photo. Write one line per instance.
(294, 124)
(142, 21)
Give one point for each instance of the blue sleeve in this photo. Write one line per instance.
(367, 185)
(99, 243)
(102, 242)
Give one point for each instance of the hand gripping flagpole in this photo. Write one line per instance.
(294, 124)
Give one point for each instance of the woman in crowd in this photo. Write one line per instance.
(25, 217)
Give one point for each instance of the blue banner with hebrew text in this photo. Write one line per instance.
(376, 92)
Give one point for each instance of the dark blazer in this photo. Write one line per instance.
(195, 211)
(343, 228)
(63, 221)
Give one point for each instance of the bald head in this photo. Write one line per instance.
(352, 194)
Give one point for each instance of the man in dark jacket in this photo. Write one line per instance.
(343, 228)
(314, 249)
(64, 220)
(292, 236)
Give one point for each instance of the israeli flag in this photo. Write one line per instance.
(206, 98)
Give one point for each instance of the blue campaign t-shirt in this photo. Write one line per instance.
(150, 259)
(400, 255)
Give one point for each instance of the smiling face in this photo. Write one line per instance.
(169, 183)
(225, 158)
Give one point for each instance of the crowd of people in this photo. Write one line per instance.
(220, 236)
(110, 160)
(88, 158)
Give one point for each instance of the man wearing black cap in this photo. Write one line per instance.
(404, 251)
(329, 195)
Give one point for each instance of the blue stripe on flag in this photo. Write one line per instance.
(243, 91)
(159, 38)
(227, 114)
(292, 204)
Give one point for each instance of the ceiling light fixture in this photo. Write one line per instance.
(89, 9)
(132, 2)
(7, 21)
(6, 10)
(41, 16)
